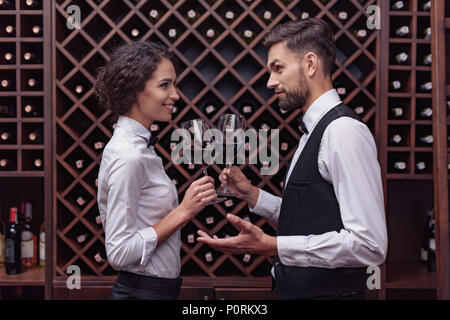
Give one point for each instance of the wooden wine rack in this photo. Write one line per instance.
(22, 180)
(228, 72)
(403, 273)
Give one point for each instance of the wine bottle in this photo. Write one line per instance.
(428, 241)
(246, 258)
(81, 202)
(5, 4)
(100, 256)
(13, 263)
(421, 165)
(209, 220)
(396, 138)
(79, 164)
(9, 57)
(135, 33)
(30, 110)
(342, 91)
(398, 5)
(173, 34)
(5, 137)
(397, 112)
(360, 34)
(400, 166)
(36, 30)
(98, 219)
(229, 16)
(428, 59)
(35, 136)
(6, 84)
(154, 127)
(5, 163)
(396, 85)
(2, 240)
(210, 108)
(284, 146)
(99, 145)
(82, 238)
(427, 139)
(37, 163)
(191, 16)
(28, 238)
(153, 15)
(303, 15)
(79, 89)
(427, 86)
(427, 33)
(209, 257)
(401, 58)
(403, 31)
(191, 238)
(211, 35)
(29, 57)
(32, 83)
(359, 110)
(6, 111)
(9, 29)
(426, 112)
(32, 4)
(427, 6)
(247, 109)
(248, 35)
(341, 15)
(42, 245)
(267, 16)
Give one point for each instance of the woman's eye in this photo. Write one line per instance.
(165, 85)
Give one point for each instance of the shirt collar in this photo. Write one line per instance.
(319, 107)
(134, 127)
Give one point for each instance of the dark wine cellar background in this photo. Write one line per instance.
(223, 73)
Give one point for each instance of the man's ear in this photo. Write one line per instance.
(310, 64)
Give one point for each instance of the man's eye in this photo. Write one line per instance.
(278, 68)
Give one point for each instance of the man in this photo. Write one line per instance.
(331, 220)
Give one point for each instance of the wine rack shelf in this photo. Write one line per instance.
(25, 123)
(222, 69)
(411, 145)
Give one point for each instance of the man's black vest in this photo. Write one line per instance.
(310, 207)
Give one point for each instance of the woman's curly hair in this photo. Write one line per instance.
(124, 76)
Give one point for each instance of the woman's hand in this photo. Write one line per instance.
(198, 195)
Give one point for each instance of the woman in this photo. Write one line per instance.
(138, 202)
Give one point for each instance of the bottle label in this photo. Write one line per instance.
(433, 244)
(27, 245)
(424, 254)
(42, 251)
(9, 251)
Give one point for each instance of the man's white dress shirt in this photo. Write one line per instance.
(134, 193)
(348, 160)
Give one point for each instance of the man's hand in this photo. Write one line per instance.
(251, 239)
(239, 185)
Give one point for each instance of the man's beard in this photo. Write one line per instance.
(295, 99)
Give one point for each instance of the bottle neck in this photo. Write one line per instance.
(13, 215)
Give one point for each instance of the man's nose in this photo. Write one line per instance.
(272, 83)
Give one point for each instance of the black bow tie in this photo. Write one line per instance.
(152, 141)
(302, 124)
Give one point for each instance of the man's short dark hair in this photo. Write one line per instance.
(306, 35)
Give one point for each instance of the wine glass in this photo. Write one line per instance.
(201, 140)
(231, 125)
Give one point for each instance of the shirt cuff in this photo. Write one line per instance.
(267, 206)
(149, 242)
(292, 250)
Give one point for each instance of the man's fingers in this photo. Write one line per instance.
(239, 223)
(205, 187)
